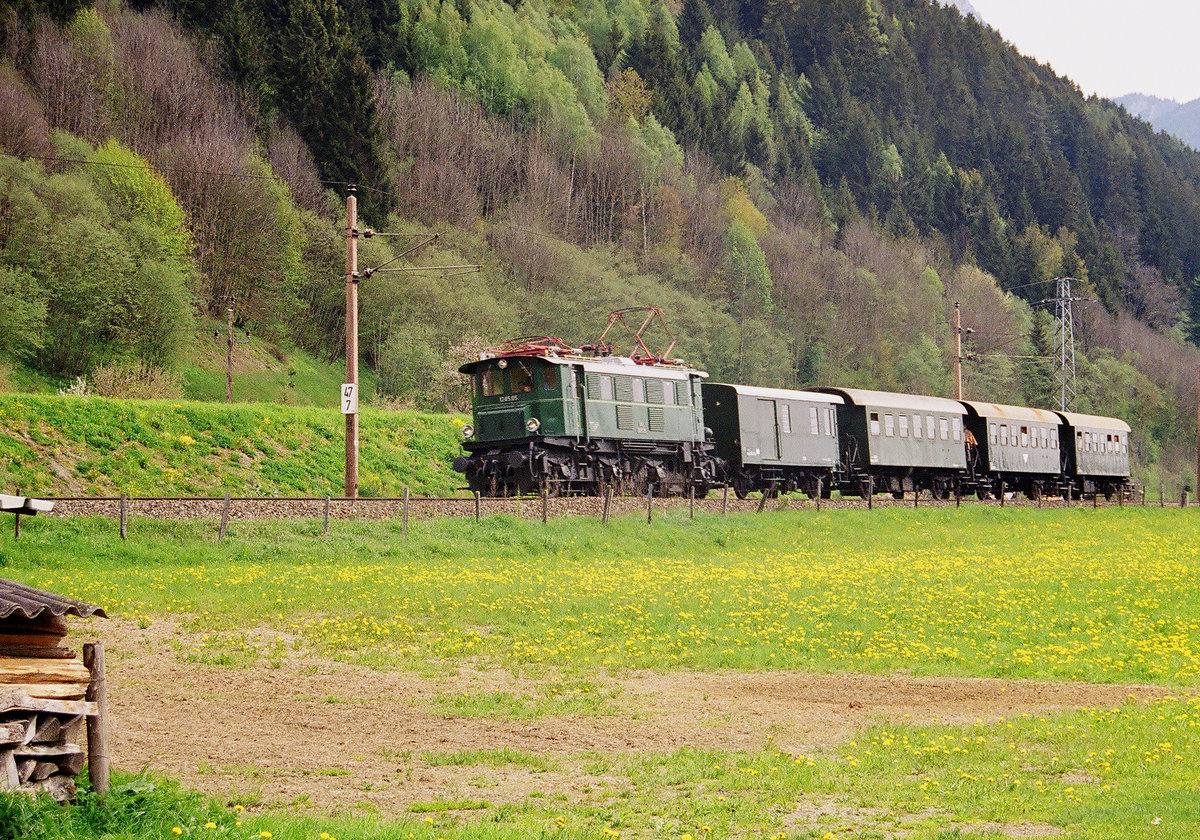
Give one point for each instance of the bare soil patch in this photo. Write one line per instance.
(331, 735)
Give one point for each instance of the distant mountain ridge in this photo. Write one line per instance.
(1183, 121)
(966, 8)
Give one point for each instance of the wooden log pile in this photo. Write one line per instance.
(42, 707)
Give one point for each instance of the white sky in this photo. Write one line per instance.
(1108, 47)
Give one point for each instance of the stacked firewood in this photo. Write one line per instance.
(42, 708)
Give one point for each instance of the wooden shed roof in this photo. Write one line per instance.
(19, 599)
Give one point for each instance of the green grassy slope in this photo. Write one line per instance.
(65, 445)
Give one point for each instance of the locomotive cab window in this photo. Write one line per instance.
(874, 422)
(520, 379)
(549, 378)
(491, 382)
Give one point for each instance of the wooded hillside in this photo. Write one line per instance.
(807, 187)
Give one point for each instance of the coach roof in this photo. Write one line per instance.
(1012, 412)
(1094, 421)
(780, 393)
(887, 399)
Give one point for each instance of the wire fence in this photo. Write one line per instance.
(417, 508)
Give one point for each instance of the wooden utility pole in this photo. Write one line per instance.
(97, 724)
(229, 357)
(957, 352)
(352, 343)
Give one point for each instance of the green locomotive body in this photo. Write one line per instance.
(575, 423)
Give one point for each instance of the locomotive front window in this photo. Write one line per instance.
(874, 423)
(520, 379)
(549, 378)
(491, 382)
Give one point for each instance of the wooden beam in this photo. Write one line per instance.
(24, 669)
(14, 699)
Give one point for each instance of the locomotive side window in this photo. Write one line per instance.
(874, 422)
(639, 389)
(681, 393)
(491, 382)
(903, 425)
(549, 378)
(956, 427)
(668, 393)
(606, 387)
(944, 428)
(889, 425)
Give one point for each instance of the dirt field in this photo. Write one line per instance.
(331, 735)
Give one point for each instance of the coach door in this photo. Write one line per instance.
(769, 425)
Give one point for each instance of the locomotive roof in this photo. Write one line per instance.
(782, 393)
(1011, 412)
(604, 364)
(1093, 421)
(887, 399)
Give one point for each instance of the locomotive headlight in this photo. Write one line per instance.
(467, 431)
(532, 424)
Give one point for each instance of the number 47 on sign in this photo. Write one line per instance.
(349, 398)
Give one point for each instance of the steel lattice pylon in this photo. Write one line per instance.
(1064, 344)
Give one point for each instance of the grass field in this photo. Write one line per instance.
(1107, 596)
(71, 445)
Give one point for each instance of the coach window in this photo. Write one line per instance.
(785, 419)
(1003, 435)
(917, 421)
(993, 433)
(1054, 438)
(944, 428)
(956, 427)
(830, 422)
(606, 387)
(889, 425)
(1045, 438)
(492, 382)
(930, 428)
(814, 420)
(1025, 436)
(874, 422)
(549, 378)
(903, 425)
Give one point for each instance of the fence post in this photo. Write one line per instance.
(870, 492)
(124, 515)
(545, 503)
(1183, 496)
(97, 724)
(762, 503)
(916, 496)
(1069, 489)
(1161, 503)
(326, 516)
(224, 519)
(818, 493)
(957, 495)
(1095, 499)
(692, 502)
(1143, 497)
(17, 526)
(404, 515)
(1121, 496)
(650, 504)
(1003, 488)
(608, 494)
(724, 499)
(477, 511)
